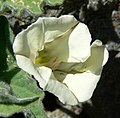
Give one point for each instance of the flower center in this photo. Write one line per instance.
(45, 59)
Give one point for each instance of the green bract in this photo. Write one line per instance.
(57, 52)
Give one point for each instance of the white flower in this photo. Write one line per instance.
(57, 52)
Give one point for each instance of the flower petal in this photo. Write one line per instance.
(82, 85)
(61, 91)
(98, 58)
(29, 41)
(41, 74)
(79, 44)
(59, 47)
(56, 27)
(44, 30)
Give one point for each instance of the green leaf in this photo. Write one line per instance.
(32, 5)
(55, 1)
(19, 91)
(5, 43)
(4, 35)
(24, 84)
(35, 108)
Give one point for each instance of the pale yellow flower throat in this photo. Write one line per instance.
(45, 59)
